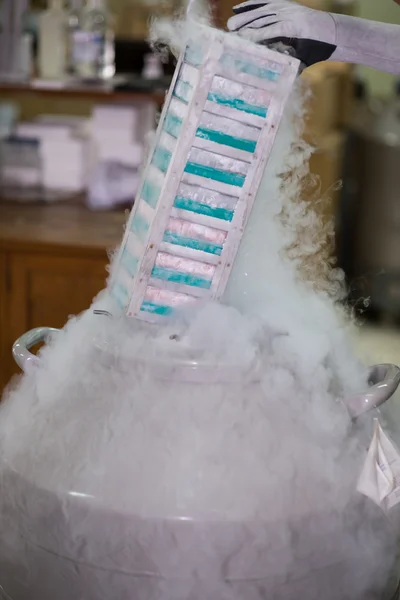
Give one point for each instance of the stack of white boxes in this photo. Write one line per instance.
(72, 147)
(118, 132)
(63, 150)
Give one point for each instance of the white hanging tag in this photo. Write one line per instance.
(380, 477)
(393, 457)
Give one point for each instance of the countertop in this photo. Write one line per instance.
(67, 224)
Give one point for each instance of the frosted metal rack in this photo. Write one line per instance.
(214, 138)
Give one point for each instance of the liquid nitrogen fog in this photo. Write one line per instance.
(210, 457)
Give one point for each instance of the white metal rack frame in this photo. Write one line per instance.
(214, 138)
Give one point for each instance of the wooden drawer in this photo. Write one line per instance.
(43, 290)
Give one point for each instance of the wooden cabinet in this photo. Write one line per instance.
(53, 263)
(45, 290)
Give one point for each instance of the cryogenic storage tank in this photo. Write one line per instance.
(157, 497)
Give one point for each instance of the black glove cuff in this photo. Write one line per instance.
(308, 52)
(247, 8)
(311, 51)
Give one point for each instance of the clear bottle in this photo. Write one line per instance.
(25, 59)
(73, 26)
(7, 43)
(94, 55)
(52, 41)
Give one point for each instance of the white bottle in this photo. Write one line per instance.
(94, 43)
(52, 41)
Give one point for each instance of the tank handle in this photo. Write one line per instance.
(21, 348)
(384, 380)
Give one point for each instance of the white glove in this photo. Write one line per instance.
(316, 35)
(311, 33)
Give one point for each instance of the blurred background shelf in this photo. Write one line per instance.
(81, 92)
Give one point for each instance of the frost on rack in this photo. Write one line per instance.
(214, 138)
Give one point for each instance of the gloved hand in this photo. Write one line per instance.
(311, 33)
(316, 35)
